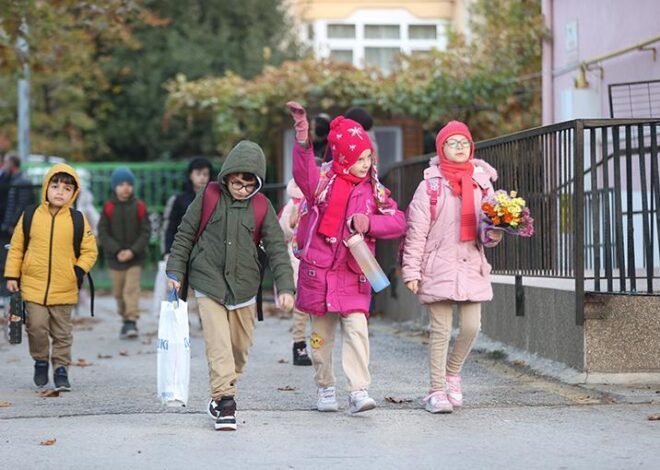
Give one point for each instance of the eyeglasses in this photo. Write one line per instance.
(237, 185)
(454, 144)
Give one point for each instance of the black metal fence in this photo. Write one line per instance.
(593, 188)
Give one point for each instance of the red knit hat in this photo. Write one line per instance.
(452, 128)
(347, 140)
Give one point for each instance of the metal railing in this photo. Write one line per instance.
(593, 188)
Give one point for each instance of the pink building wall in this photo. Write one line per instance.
(603, 26)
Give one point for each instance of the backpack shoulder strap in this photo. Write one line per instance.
(28, 214)
(108, 209)
(78, 230)
(141, 210)
(210, 199)
(433, 191)
(260, 209)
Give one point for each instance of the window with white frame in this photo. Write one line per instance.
(383, 57)
(340, 55)
(382, 31)
(341, 31)
(422, 31)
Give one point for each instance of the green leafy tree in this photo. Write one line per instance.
(200, 38)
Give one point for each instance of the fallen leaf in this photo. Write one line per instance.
(123, 352)
(655, 417)
(4, 404)
(81, 362)
(104, 356)
(519, 363)
(49, 393)
(398, 400)
(283, 361)
(287, 388)
(48, 442)
(586, 399)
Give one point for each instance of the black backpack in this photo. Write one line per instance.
(78, 232)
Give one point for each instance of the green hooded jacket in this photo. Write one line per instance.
(223, 263)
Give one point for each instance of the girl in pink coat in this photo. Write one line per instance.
(343, 197)
(443, 258)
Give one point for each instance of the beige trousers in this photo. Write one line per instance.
(469, 323)
(54, 322)
(354, 349)
(228, 337)
(126, 291)
(300, 320)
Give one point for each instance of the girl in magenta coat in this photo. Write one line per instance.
(343, 197)
(443, 258)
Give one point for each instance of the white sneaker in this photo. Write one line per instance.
(360, 401)
(327, 399)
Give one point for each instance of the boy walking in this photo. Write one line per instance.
(124, 230)
(223, 269)
(43, 264)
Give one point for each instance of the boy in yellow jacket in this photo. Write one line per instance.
(45, 270)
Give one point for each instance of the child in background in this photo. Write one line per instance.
(45, 269)
(289, 221)
(124, 230)
(443, 259)
(223, 270)
(344, 197)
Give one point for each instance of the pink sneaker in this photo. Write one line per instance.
(437, 402)
(454, 392)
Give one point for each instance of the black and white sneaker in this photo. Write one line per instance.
(226, 420)
(300, 356)
(61, 380)
(41, 373)
(129, 330)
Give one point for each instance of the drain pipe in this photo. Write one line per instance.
(587, 65)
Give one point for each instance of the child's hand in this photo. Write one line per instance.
(173, 284)
(125, 255)
(300, 123)
(360, 223)
(496, 235)
(286, 302)
(413, 286)
(12, 286)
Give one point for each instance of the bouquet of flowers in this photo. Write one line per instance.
(509, 213)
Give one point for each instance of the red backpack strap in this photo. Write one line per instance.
(210, 199)
(433, 191)
(108, 209)
(260, 209)
(141, 210)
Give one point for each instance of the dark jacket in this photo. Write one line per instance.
(224, 263)
(124, 231)
(19, 195)
(179, 207)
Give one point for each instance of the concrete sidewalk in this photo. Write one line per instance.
(112, 418)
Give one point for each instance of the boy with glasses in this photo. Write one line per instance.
(223, 271)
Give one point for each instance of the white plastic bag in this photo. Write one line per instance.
(173, 352)
(160, 288)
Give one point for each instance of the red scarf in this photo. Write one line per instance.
(460, 180)
(335, 214)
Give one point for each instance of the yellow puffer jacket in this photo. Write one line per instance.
(46, 272)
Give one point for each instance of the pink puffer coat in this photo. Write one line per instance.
(433, 253)
(329, 278)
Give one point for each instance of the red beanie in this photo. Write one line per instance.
(452, 128)
(347, 140)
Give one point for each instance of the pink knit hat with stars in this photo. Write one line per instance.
(347, 140)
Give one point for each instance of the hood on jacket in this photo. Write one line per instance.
(293, 190)
(245, 157)
(60, 168)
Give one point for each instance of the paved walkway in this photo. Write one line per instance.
(112, 419)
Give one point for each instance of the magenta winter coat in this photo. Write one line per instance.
(433, 254)
(329, 278)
